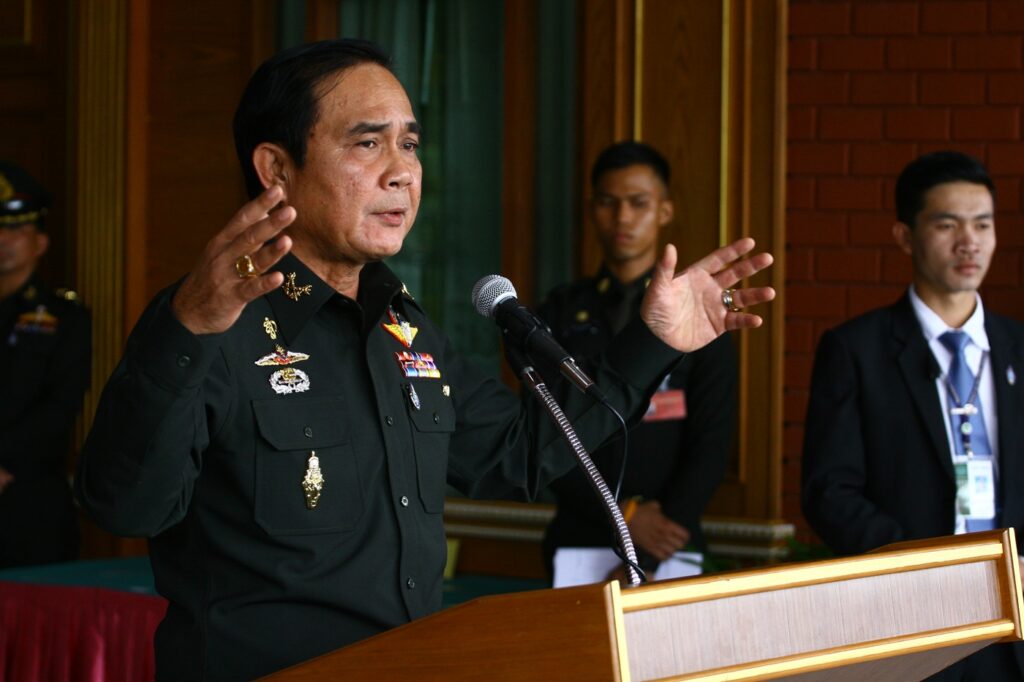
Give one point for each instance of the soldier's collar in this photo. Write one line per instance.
(605, 282)
(303, 294)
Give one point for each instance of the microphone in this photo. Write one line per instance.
(494, 296)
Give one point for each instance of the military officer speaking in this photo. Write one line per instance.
(285, 419)
(44, 363)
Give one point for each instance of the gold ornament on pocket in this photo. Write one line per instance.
(313, 483)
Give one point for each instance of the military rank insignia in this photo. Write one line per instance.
(400, 329)
(289, 380)
(419, 365)
(39, 321)
(295, 291)
(280, 357)
(313, 481)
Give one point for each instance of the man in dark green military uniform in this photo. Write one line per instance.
(44, 361)
(285, 419)
(678, 452)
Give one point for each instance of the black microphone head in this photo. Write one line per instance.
(489, 291)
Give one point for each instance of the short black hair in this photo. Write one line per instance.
(629, 153)
(937, 168)
(280, 103)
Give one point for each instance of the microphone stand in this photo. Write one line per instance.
(535, 384)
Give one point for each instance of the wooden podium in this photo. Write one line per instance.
(901, 613)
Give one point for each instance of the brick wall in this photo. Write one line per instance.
(872, 85)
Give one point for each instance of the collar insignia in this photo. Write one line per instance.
(400, 329)
(280, 357)
(295, 291)
(270, 327)
(603, 285)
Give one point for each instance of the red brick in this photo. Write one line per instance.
(919, 52)
(871, 228)
(1009, 229)
(798, 370)
(799, 263)
(865, 298)
(880, 158)
(809, 228)
(848, 265)
(793, 440)
(824, 324)
(952, 88)
(849, 193)
(1006, 16)
(1006, 159)
(977, 150)
(990, 52)
(1005, 301)
(887, 18)
(889, 195)
(802, 123)
(849, 124)
(802, 55)
(916, 124)
(815, 300)
(799, 336)
(987, 123)
(897, 267)
(970, 16)
(816, 158)
(800, 193)
(1006, 88)
(883, 88)
(1005, 270)
(817, 88)
(814, 18)
(794, 406)
(1008, 193)
(851, 54)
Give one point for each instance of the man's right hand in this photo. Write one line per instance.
(655, 533)
(213, 294)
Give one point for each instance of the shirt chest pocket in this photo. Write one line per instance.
(290, 432)
(433, 422)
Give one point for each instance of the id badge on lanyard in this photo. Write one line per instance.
(975, 487)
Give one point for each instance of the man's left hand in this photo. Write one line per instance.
(686, 310)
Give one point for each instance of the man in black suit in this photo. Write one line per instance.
(910, 402)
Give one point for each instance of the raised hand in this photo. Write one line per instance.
(688, 310)
(222, 282)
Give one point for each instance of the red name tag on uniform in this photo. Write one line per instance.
(665, 405)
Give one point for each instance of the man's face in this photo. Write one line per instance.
(953, 240)
(629, 207)
(21, 248)
(357, 195)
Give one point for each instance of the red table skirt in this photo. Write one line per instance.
(50, 633)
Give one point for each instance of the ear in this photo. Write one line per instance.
(272, 164)
(666, 211)
(904, 238)
(42, 243)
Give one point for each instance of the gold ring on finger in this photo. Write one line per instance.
(728, 301)
(245, 267)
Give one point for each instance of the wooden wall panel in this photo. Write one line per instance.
(704, 82)
(34, 38)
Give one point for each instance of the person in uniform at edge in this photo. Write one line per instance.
(678, 453)
(45, 356)
(911, 401)
(285, 418)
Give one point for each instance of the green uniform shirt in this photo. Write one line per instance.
(202, 443)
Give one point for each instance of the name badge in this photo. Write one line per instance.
(975, 487)
(667, 405)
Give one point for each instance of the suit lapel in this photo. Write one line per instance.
(919, 369)
(1005, 362)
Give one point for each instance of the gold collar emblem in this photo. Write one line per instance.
(295, 291)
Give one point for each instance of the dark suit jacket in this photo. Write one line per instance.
(877, 467)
